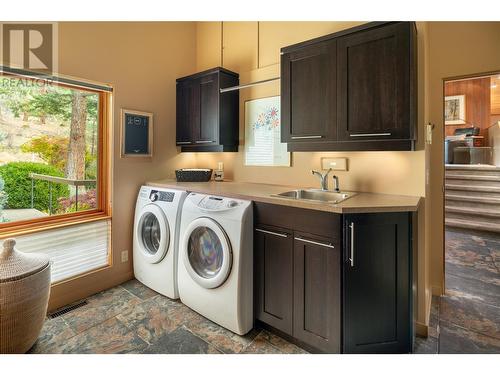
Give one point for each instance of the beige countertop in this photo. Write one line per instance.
(362, 202)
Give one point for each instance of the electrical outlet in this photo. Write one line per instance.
(337, 164)
(124, 256)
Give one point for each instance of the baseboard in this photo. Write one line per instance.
(437, 290)
(80, 288)
(422, 329)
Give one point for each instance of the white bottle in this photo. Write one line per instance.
(219, 172)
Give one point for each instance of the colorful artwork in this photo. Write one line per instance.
(263, 145)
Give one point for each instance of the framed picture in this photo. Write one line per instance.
(136, 134)
(454, 110)
(263, 145)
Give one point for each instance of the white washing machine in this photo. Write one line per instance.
(216, 260)
(156, 238)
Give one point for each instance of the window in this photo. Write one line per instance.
(54, 157)
(54, 170)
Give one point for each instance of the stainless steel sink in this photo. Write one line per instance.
(316, 195)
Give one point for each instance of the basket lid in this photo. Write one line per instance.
(15, 265)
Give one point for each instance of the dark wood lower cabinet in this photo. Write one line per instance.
(316, 313)
(274, 277)
(377, 283)
(335, 283)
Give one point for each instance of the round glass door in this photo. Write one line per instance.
(207, 253)
(153, 233)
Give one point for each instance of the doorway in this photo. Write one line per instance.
(469, 310)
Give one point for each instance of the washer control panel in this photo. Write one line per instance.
(161, 196)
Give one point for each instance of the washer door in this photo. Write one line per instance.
(207, 253)
(153, 233)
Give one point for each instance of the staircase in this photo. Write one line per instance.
(472, 197)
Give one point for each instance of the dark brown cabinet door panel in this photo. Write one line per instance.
(187, 112)
(374, 84)
(274, 277)
(209, 110)
(317, 286)
(308, 94)
(377, 286)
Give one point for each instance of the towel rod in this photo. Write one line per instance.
(234, 88)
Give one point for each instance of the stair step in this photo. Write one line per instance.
(481, 188)
(475, 225)
(471, 167)
(473, 177)
(467, 170)
(472, 211)
(471, 198)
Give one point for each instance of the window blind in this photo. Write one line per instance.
(73, 250)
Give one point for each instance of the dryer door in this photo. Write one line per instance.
(207, 254)
(153, 233)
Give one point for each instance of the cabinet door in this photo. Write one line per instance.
(374, 84)
(308, 94)
(188, 112)
(274, 277)
(377, 274)
(208, 130)
(317, 289)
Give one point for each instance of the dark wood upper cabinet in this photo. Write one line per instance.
(351, 90)
(374, 84)
(207, 120)
(377, 302)
(309, 89)
(274, 277)
(317, 290)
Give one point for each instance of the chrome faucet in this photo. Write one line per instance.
(336, 186)
(323, 178)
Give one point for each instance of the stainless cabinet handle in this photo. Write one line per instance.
(370, 135)
(205, 141)
(273, 233)
(306, 136)
(315, 242)
(184, 143)
(351, 258)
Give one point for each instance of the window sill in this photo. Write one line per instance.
(20, 228)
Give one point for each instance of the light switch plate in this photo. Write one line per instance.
(124, 256)
(337, 164)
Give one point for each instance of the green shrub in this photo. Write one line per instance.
(17, 180)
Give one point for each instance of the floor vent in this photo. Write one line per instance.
(66, 309)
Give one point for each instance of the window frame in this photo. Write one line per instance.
(103, 186)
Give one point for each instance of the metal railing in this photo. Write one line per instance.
(57, 180)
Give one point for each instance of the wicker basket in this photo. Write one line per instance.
(193, 175)
(24, 295)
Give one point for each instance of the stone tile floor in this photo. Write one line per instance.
(467, 318)
(132, 318)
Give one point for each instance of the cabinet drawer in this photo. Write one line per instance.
(319, 223)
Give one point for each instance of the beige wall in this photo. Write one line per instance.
(455, 49)
(253, 50)
(141, 61)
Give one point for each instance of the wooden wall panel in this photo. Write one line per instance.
(495, 96)
(477, 102)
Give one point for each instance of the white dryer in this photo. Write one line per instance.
(156, 238)
(216, 260)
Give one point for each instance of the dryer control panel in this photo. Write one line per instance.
(217, 203)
